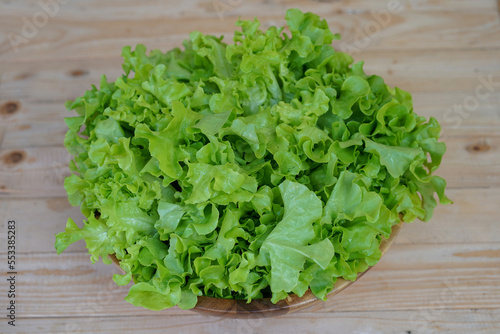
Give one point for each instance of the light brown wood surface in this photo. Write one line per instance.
(438, 277)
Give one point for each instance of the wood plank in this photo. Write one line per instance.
(438, 277)
(441, 105)
(409, 277)
(129, 8)
(472, 157)
(33, 171)
(427, 104)
(83, 36)
(471, 161)
(38, 123)
(453, 84)
(468, 220)
(33, 214)
(35, 133)
(478, 321)
(421, 71)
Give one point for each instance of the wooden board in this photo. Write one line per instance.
(471, 205)
(33, 111)
(394, 322)
(49, 281)
(441, 276)
(78, 34)
(60, 80)
(472, 160)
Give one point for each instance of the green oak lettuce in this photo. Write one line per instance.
(265, 167)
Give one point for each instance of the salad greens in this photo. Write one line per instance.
(265, 167)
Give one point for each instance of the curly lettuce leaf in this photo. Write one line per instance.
(288, 244)
(245, 170)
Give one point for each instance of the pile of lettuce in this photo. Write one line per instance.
(256, 169)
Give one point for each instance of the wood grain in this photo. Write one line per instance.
(472, 160)
(35, 112)
(38, 123)
(450, 224)
(35, 172)
(451, 71)
(393, 322)
(438, 277)
(196, 8)
(411, 277)
(82, 36)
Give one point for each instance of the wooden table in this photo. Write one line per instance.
(443, 276)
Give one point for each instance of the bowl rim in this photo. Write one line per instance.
(263, 308)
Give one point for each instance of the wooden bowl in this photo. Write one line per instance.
(263, 308)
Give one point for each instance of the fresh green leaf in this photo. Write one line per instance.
(253, 169)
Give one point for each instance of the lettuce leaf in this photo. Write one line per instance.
(259, 168)
(288, 244)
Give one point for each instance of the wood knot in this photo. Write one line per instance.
(23, 76)
(14, 157)
(78, 73)
(9, 108)
(478, 147)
